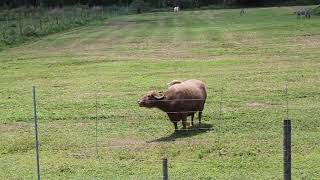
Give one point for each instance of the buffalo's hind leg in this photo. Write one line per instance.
(192, 117)
(200, 115)
(184, 121)
(175, 126)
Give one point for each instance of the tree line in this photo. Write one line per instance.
(153, 3)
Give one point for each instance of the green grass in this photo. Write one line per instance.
(316, 10)
(25, 24)
(245, 61)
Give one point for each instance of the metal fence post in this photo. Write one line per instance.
(36, 129)
(165, 169)
(287, 149)
(20, 24)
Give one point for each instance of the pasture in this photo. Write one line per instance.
(90, 78)
(25, 24)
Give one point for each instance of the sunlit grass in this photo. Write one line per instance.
(245, 61)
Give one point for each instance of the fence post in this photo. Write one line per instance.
(40, 23)
(4, 33)
(102, 13)
(287, 149)
(57, 20)
(20, 24)
(7, 21)
(36, 129)
(81, 15)
(165, 168)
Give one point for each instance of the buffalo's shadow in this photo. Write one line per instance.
(190, 131)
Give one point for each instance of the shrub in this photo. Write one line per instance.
(187, 3)
(316, 11)
(30, 31)
(12, 37)
(139, 6)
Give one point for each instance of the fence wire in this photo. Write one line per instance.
(19, 26)
(106, 132)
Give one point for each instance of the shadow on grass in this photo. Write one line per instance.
(190, 131)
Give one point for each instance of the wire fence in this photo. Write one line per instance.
(19, 25)
(107, 133)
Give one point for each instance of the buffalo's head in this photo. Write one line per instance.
(150, 99)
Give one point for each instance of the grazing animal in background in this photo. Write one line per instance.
(303, 12)
(181, 99)
(308, 14)
(176, 9)
(300, 13)
(242, 12)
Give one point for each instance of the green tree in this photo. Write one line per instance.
(138, 5)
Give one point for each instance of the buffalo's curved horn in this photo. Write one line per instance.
(159, 97)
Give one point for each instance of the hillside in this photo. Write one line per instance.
(89, 79)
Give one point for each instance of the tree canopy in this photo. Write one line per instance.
(154, 3)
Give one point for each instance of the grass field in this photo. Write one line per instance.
(22, 25)
(245, 61)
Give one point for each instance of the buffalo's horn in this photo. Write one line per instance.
(159, 97)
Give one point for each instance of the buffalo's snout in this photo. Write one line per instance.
(140, 102)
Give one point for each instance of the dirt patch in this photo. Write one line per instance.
(124, 142)
(307, 41)
(129, 143)
(134, 22)
(78, 155)
(257, 104)
(120, 24)
(311, 41)
(152, 49)
(14, 127)
(136, 144)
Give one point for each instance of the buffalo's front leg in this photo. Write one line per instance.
(173, 118)
(175, 126)
(192, 117)
(184, 121)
